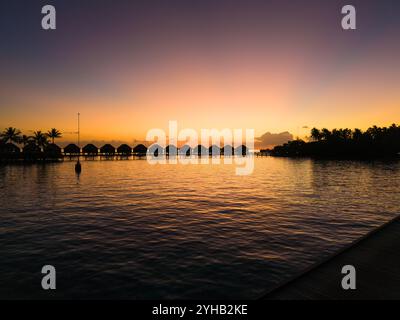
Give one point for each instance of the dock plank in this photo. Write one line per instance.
(376, 258)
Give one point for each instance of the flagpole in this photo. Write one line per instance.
(78, 167)
(79, 140)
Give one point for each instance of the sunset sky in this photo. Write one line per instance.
(129, 66)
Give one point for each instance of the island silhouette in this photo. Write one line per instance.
(375, 142)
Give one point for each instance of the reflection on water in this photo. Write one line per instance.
(127, 229)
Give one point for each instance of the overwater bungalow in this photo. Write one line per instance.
(227, 151)
(171, 150)
(32, 152)
(155, 150)
(107, 150)
(124, 150)
(241, 150)
(9, 148)
(214, 151)
(9, 151)
(200, 151)
(52, 151)
(185, 150)
(140, 150)
(90, 150)
(72, 150)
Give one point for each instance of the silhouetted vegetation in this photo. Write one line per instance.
(54, 134)
(10, 135)
(35, 147)
(344, 143)
(40, 139)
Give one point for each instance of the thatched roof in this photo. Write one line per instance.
(124, 149)
(72, 149)
(185, 150)
(200, 150)
(241, 150)
(31, 148)
(214, 150)
(90, 149)
(9, 148)
(107, 149)
(171, 149)
(155, 150)
(227, 150)
(53, 149)
(140, 149)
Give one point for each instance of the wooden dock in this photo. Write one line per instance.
(376, 258)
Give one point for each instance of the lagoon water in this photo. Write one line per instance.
(127, 229)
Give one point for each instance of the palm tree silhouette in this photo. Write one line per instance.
(11, 135)
(326, 134)
(40, 139)
(357, 134)
(53, 134)
(316, 135)
(374, 142)
(25, 140)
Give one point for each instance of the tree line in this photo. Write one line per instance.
(39, 143)
(371, 143)
(39, 138)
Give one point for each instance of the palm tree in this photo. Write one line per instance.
(53, 134)
(357, 134)
(341, 134)
(25, 140)
(316, 134)
(11, 135)
(375, 132)
(326, 134)
(40, 139)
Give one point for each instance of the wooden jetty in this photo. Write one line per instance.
(376, 258)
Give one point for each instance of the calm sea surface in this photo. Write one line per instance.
(127, 229)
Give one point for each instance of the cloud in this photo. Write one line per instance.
(269, 139)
